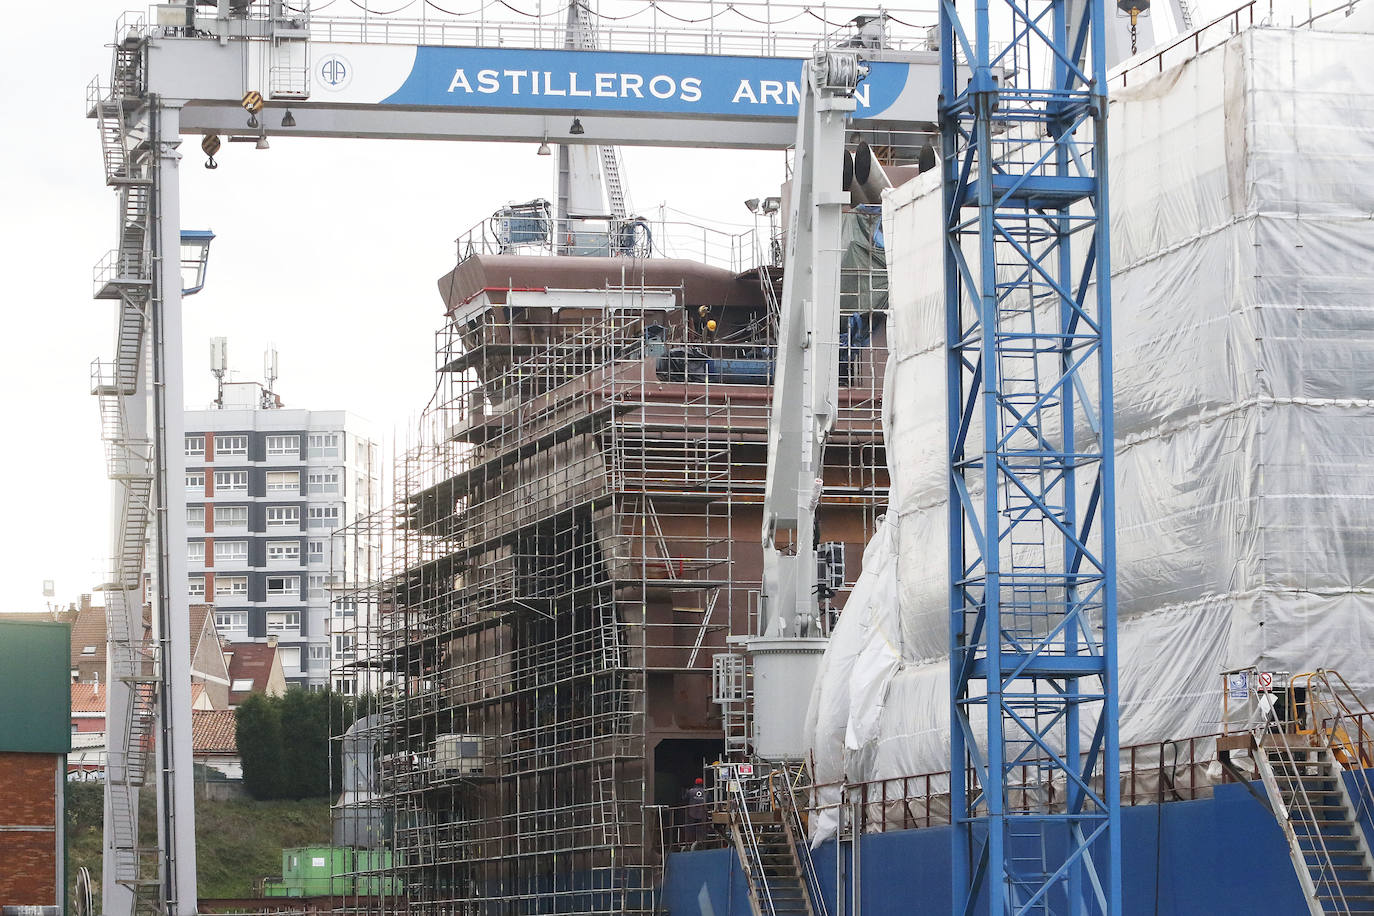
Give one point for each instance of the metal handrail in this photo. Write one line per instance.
(1338, 710)
(527, 229)
(920, 800)
(755, 863)
(787, 29)
(1268, 726)
(798, 832)
(1331, 720)
(1231, 19)
(764, 30)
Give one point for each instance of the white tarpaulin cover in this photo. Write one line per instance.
(1242, 220)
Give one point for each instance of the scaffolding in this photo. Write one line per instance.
(572, 542)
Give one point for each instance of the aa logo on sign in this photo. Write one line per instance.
(334, 73)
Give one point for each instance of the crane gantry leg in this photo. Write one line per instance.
(1034, 743)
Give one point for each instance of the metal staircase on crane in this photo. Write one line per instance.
(125, 275)
(581, 34)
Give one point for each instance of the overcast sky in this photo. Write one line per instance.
(328, 248)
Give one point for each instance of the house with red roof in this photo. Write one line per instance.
(254, 667)
(209, 680)
(214, 743)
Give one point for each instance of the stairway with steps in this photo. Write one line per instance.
(768, 837)
(125, 276)
(581, 34)
(615, 191)
(775, 881)
(1314, 807)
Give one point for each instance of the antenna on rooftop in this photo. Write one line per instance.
(219, 365)
(269, 371)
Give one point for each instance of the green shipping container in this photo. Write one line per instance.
(313, 871)
(322, 871)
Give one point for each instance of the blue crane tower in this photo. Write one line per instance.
(1034, 743)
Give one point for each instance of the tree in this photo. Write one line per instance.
(285, 746)
(305, 743)
(258, 730)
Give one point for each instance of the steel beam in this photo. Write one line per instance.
(403, 92)
(171, 602)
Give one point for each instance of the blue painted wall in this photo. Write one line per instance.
(1223, 856)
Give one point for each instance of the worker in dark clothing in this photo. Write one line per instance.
(695, 797)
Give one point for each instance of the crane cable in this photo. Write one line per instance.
(652, 5)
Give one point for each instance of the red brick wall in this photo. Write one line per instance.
(28, 876)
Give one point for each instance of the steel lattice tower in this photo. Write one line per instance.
(1032, 540)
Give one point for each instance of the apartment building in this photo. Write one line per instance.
(266, 489)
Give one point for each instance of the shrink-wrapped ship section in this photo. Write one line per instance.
(1243, 309)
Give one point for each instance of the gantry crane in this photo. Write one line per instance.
(250, 69)
(1031, 533)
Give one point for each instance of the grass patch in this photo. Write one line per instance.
(237, 842)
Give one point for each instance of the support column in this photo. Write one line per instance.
(171, 611)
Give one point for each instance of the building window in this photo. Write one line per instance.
(290, 656)
(317, 551)
(88, 650)
(195, 552)
(231, 587)
(231, 482)
(323, 481)
(344, 685)
(346, 607)
(283, 481)
(195, 518)
(195, 446)
(324, 445)
(284, 550)
(324, 517)
(284, 585)
(284, 445)
(278, 621)
(231, 445)
(231, 517)
(195, 482)
(319, 658)
(343, 645)
(230, 551)
(231, 620)
(284, 517)
(241, 684)
(195, 586)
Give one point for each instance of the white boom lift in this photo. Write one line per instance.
(805, 388)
